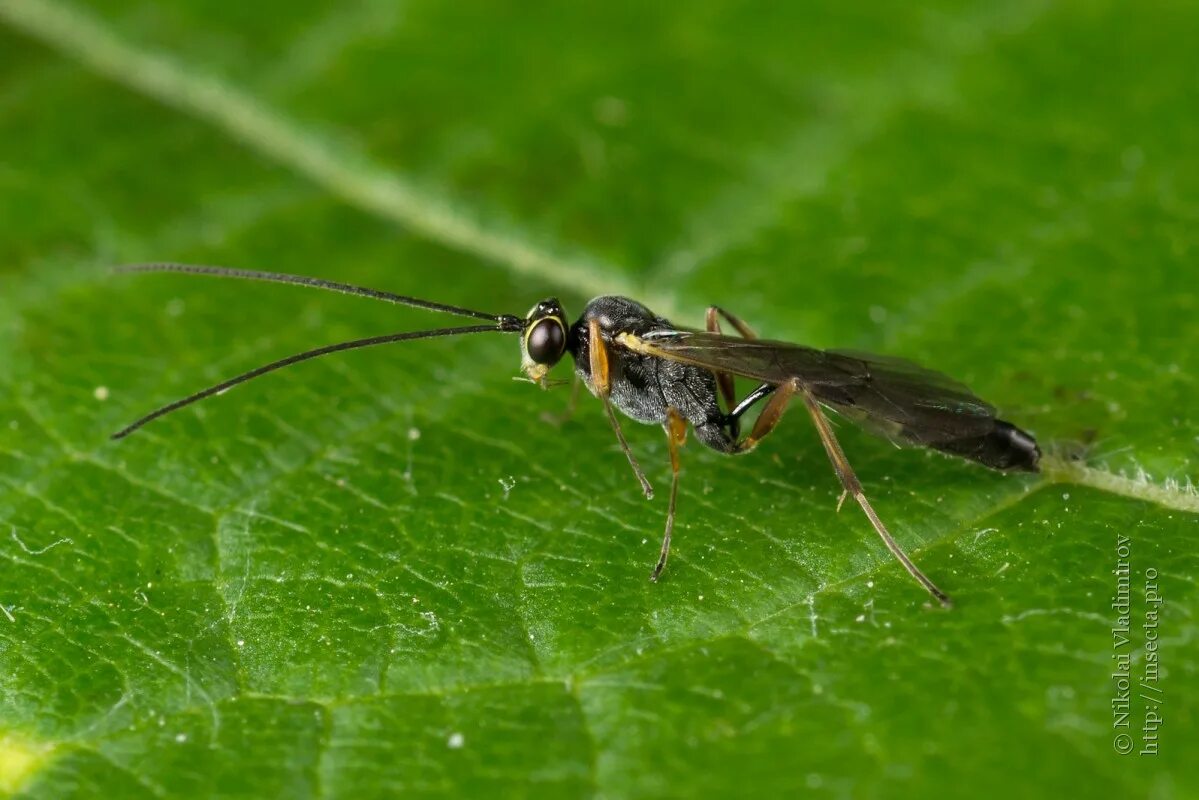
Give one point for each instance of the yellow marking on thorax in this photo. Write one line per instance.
(633, 343)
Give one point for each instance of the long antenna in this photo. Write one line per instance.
(304, 280)
(501, 326)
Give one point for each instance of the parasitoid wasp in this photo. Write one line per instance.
(656, 372)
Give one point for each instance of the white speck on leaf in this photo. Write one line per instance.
(100, 393)
(455, 741)
(508, 484)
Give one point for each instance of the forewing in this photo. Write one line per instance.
(890, 396)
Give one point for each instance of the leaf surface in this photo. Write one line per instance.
(384, 574)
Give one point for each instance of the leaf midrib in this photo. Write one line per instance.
(357, 181)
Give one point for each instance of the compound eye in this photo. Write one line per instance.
(546, 341)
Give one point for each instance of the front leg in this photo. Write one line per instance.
(558, 420)
(601, 379)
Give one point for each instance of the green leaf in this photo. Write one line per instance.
(382, 573)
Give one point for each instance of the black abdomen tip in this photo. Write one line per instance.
(1004, 447)
(1021, 451)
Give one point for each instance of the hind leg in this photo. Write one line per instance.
(851, 485)
(780, 398)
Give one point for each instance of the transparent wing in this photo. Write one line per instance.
(889, 396)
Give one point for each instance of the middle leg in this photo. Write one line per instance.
(676, 436)
(724, 381)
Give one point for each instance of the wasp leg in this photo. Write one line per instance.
(780, 397)
(571, 404)
(676, 437)
(851, 485)
(723, 379)
(601, 380)
(743, 329)
(769, 418)
(751, 400)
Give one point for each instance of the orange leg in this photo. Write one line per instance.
(724, 381)
(676, 437)
(741, 328)
(851, 485)
(601, 380)
(769, 418)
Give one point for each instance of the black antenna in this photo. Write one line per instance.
(504, 323)
(304, 280)
(502, 326)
